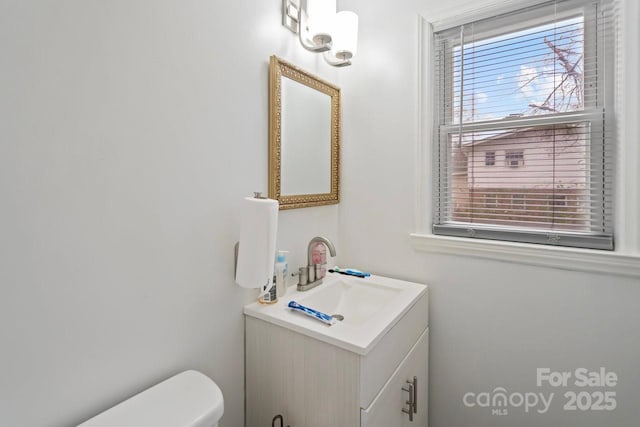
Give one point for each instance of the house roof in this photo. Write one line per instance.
(499, 135)
(494, 136)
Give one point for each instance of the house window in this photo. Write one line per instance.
(490, 158)
(490, 201)
(527, 81)
(514, 159)
(517, 201)
(558, 200)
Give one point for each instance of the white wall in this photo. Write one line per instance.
(492, 323)
(129, 132)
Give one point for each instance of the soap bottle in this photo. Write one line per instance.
(282, 273)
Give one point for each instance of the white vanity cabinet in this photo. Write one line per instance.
(315, 383)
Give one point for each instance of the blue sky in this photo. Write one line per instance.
(505, 74)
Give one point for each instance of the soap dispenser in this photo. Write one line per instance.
(282, 271)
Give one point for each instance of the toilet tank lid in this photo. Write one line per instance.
(189, 399)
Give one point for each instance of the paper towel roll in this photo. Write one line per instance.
(258, 233)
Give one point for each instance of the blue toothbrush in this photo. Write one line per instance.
(349, 272)
(325, 318)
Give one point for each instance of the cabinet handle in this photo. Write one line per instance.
(415, 395)
(409, 389)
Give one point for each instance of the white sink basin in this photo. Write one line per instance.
(356, 301)
(370, 306)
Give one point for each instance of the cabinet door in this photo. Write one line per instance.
(419, 366)
(386, 409)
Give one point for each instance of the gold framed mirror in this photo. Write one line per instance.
(304, 137)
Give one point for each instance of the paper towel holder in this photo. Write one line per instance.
(236, 247)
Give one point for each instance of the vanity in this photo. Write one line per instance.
(369, 370)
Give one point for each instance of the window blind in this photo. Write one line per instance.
(524, 126)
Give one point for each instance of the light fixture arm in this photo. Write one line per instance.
(325, 43)
(336, 62)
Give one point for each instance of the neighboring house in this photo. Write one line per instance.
(527, 177)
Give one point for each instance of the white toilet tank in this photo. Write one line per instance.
(189, 399)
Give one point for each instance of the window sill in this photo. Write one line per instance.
(585, 260)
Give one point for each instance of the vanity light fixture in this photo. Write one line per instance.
(320, 29)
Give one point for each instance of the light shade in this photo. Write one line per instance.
(345, 35)
(321, 15)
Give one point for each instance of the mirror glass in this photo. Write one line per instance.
(304, 137)
(305, 148)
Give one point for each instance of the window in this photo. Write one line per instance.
(490, 201)
(517, 201)
(535, 82)
(514, 159)
(490, 158)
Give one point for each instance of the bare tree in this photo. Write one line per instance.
(565, 65)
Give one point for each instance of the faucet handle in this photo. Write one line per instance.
(302, 275)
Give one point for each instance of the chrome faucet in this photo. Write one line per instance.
(315, 272)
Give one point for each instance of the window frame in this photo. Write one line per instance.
(491, 200)
(514, 155)
(521, 205)
(558, 200)
(591, 113)
(490, 160)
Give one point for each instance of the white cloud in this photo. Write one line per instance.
(535, 84)
(525, 82)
